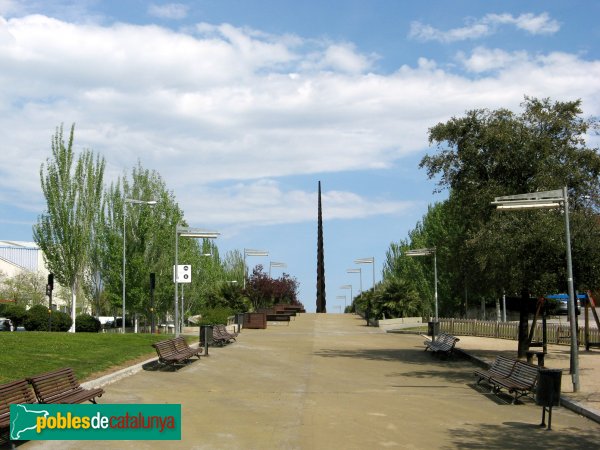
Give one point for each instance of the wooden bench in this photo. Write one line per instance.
(520, 382)
(222, 329)
(221, 336)
(12, 393)
(444, 343)
(169, 354)
(500, 368)
(61, 386)
(182, 347)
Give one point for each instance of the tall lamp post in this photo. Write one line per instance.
(371, 261)
(276, 264)
(359, 272)
(251, 252)
(342, 297)
(125, 202)
(348, 286)
(549, 200)
(189, 232)
(426, 252)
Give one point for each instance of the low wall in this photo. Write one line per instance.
(397, 324)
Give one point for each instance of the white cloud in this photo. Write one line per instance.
(169, 11)
(488, 25)
(534, 24)
(227, 106)
(483, 59)
(265, 202)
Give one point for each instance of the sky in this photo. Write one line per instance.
(243, 106)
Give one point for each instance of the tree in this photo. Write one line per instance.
(264, 291)
(73, 195)
(150, 243)
(25, 288)
(493, 153)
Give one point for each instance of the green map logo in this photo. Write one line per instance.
(95, 422)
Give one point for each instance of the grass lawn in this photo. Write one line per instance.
(32, 352)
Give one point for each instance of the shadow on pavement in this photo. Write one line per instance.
(516, 435)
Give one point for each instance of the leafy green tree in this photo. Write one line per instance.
(493, 153)
(73, 195)
(150, 243)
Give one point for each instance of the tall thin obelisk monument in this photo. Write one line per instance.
(321, 308)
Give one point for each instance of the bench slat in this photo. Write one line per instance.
(61, 386)
(12, 393)
(520, 381)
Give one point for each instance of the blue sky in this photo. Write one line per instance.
(243, 106)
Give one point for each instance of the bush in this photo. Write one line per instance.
(61, 321)
(16, 313)
(214, 316)
(84, 323)
(36, 319)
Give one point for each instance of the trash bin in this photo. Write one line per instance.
(206, 335)
(548, 387)
(433, 328)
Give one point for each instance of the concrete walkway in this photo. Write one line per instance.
(329, 382)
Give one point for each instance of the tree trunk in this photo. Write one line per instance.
(523, 324)
(73, 304)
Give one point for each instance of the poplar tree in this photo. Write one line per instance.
(73, 192)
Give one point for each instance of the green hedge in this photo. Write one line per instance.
(36, 319)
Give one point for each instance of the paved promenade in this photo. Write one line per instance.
(329, 382)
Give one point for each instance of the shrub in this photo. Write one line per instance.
(84, 323)
(214, 316)
(36, 319)
(61, 321)
(16, 313)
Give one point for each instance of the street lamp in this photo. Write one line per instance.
(196, 233)
(348, 286)
(275, 264)
(548, 200)
(426, 252)
(134, 202)
(370, 260)
(251, 252)
(340, 297)
(359, 272)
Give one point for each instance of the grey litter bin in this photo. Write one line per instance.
(547, 393)
(206, 335)
(433, 328)
(548, 387)
(239, 319)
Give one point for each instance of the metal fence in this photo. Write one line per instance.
(555, 333)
